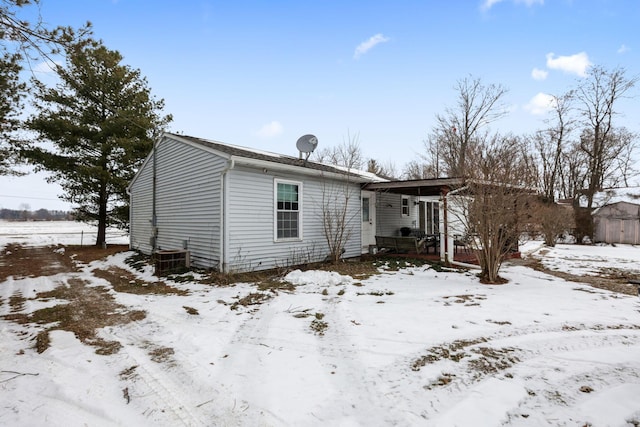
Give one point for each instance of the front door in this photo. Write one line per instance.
(368, 219)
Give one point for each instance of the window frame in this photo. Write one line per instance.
(432, 220)
(403, 205)
(368, 209)
(276, 182)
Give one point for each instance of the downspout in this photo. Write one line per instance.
(154, 216)
(224, 231)
(130, 211)
(449, 247)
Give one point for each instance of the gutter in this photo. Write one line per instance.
(271, 165)
(154, 216)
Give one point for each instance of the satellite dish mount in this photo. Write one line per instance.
(306, 145)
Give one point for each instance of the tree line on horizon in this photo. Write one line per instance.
(37, 215)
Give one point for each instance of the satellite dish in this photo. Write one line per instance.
(307, 144)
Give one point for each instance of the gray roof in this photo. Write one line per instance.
(248, 153)
(417, 187)
(611, 196)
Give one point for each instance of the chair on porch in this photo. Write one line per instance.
(460, 241)
(426, 240)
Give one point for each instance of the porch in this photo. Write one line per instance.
(413, 216)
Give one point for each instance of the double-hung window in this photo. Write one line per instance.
(288, 210)
(405, 206)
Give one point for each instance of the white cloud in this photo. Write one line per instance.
(47, 66)
(366, 46)
(573, 64)
(539, 74)
(623, 49)
(488, 4)
(270, 130)
(540, 104)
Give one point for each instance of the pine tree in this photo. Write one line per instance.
(12, 93)
(101, 120)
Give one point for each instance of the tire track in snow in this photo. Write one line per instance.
(172, 392)
(152, 388)
(546, 360)
(244, 369)
(361, 400)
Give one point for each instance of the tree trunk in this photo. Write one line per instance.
(101, 239)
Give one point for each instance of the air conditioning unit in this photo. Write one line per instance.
(169, 261)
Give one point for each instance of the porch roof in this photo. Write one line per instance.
(417, 187)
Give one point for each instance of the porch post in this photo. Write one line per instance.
(444, 234)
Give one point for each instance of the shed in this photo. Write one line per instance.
(240, 209)
(616, 218)
(617, 222)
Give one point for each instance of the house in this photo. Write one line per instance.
(239, 209)
(616, 218)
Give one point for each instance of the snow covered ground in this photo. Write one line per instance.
(408, 347)
(42, 233)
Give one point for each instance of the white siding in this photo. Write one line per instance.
(251, 220)
(141, 208)
(188, 184)
(389, 218)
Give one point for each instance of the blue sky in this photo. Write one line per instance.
(262, 73)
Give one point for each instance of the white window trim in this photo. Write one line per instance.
(408, 214)
(277, 181)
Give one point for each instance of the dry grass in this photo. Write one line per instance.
(254, 298)
(608, 281)
(452, 351)
(86, 254)
(82, 310)
(124, 281)
(21, 262)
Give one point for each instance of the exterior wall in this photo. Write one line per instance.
(456, 217)
(188, 194)
(251, 213)
(618, 223)
(141, 210)
(389, 218)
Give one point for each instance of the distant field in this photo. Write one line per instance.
(37, 233)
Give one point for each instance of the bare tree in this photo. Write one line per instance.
(416, 169)
(598, 96)
(348, 154)
(624, 163)
(573, 174)
(430, 162)
(385, 170)
(460, 130)
(25, 211)
(493, 207)
(338, 196)
(554, 220)
(549, 145)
